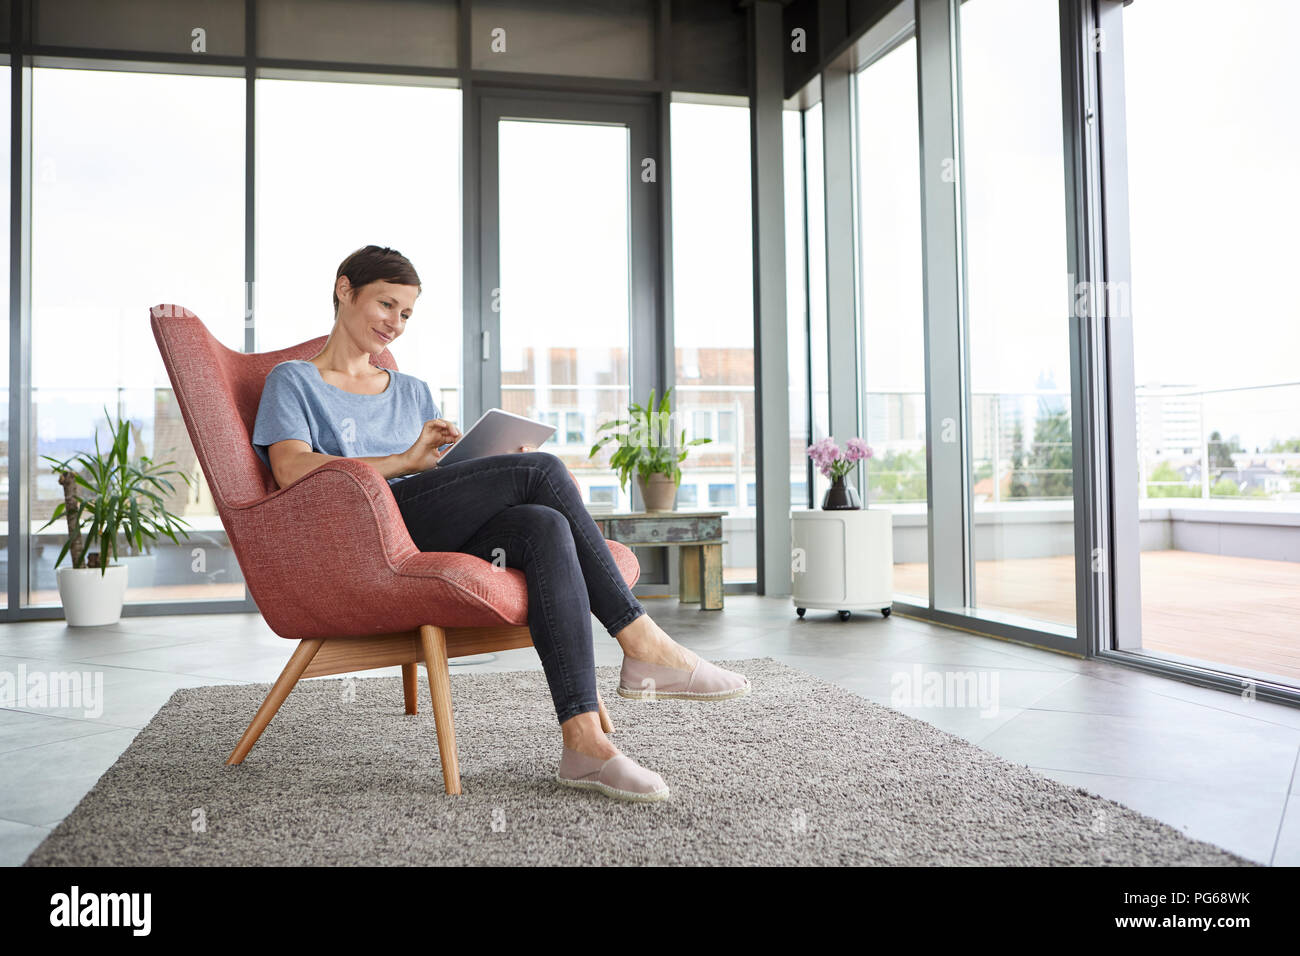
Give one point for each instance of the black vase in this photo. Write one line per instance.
(841, 497)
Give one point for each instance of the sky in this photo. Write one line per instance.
(1212, 158)
(1213, 153)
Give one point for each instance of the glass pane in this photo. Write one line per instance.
(303, 233)
(402, 32)
(817, 344)
(1019, 309)
(713, 308)
(153, 26)
(563, 351)
(117, 228)
(4, 362)
(726, 432)
(892, 307)
(614, 38)
(701, 423)
(576, 431)
(722, 495)
(1216, 330)
(796, 298)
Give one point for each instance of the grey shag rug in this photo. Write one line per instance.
(798, 772)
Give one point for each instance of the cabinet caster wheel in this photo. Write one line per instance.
(800, 610)
(844, 615)
(886, 611)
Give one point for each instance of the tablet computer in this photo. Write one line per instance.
(497, 432)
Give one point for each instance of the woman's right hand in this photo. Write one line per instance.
(424, 454)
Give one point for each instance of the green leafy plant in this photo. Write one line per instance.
(646, 447)
(122, 497)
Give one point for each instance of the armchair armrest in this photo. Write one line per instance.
(335, 531)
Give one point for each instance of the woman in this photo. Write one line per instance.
(522, 506)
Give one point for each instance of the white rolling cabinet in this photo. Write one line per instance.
(847, 560)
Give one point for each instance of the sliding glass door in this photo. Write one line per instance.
(1207, 147)
(568, 304)
(1017, 320)
(971, 385)
(891, 307)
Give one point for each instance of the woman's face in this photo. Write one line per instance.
(378, 316)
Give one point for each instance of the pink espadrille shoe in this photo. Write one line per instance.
(618, 776)
(642, 680)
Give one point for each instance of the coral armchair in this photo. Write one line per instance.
(328, 559)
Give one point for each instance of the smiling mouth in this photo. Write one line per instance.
(386, 338)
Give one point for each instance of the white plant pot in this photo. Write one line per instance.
(92, 597)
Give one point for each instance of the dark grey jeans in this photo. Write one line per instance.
(526, 509)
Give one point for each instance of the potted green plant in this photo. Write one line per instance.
(119, 496)
(647, 448)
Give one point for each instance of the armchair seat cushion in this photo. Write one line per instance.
(472, 591)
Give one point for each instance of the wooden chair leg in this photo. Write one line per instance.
(433, 642)
(606, 725)
(410, 673)
(302, 656)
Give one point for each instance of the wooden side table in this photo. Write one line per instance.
(696, 534)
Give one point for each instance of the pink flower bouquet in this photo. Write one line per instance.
(830, 462)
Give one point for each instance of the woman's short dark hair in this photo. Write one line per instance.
(374, 264)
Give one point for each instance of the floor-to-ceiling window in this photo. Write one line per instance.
(1009, 213)
(137, 199)
(1211, 147)
(390, 177)
(819, 360)
(339, 158)
(1012, 179)
(564, 295)
(891, 307)
(4, 360)
(796, 308)
(713, 330)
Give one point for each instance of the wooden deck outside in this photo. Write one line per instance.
(177, 592)
(1236, 612)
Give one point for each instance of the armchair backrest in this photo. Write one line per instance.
(218, 391)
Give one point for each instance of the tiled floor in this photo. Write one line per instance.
(1217, 767)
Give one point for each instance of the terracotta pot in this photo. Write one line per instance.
(659, 493)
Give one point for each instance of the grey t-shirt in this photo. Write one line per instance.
(298, 403)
